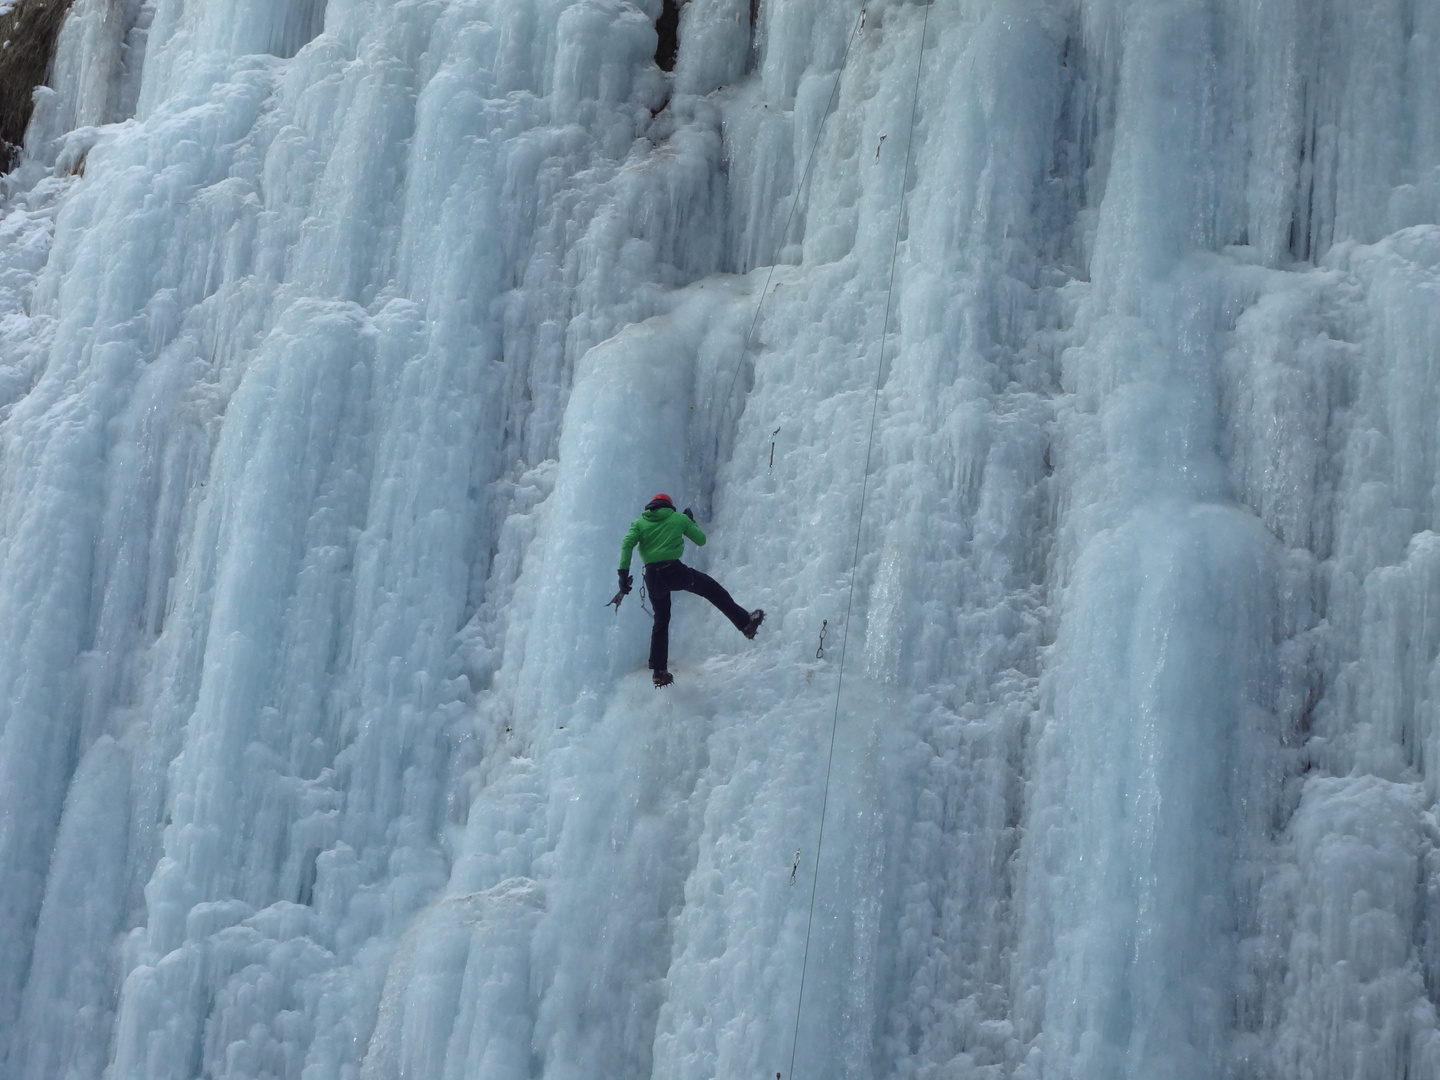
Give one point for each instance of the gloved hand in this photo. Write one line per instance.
(626, 581)
(688, 514)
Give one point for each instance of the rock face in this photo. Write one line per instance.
(28, 29)
(1092, 415)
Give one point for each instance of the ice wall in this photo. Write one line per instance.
(340, 341)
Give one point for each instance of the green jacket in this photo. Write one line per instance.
(661, 535)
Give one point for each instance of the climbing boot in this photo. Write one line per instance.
(756, 618)
(662, 678)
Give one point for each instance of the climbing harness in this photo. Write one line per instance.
(859, 525)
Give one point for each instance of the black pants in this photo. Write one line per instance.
(663, 578)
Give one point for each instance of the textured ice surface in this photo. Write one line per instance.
(340, 341)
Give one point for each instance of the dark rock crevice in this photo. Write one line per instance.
(28, 33)
(667, 28)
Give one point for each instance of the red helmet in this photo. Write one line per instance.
(662, 497)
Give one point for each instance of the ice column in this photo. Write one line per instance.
(1152, 696)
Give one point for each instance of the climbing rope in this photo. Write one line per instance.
(859, 524)
(790, 220)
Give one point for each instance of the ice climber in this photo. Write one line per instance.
(661, 534)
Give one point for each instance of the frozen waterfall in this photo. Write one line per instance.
(340, 340)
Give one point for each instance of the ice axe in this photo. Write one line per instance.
(626, 582)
